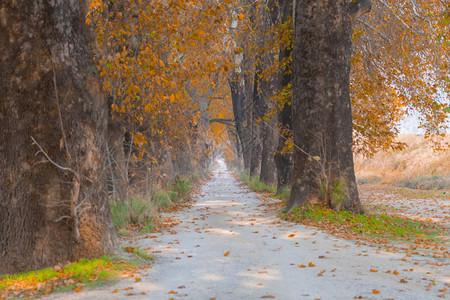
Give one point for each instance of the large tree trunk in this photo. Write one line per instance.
(241, 117)
(323, 168)
(53, 197)
(268, 90)
(283, 161)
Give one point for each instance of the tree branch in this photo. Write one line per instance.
(222, 121)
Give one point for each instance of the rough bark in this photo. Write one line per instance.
(321, 106)
(283, 161)
(50, 212)
(268, 174)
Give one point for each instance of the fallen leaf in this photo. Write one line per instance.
(115, 291)
(373, 270)
(227, 253)
(395, 272)
(268, 296)
(403, 281)
(173, 292)
(375, 291)
(291, 235)
(311, 264)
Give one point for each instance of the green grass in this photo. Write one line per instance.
(421, 194)
(435, 182)
(256, 185)
(284, 194)
(135, 211)
(162, 199)
(182, 187)
(85, 271)
(370, 225)
(138, 252)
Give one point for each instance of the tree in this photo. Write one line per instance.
(53, 115)
(283, 158)
(323, 158)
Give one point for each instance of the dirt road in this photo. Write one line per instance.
(227, 247)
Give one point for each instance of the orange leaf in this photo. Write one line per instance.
(226, 254)
(115, 291)
(373, 270)
(291, 235)
(311, 264)
(77, 289)
(137, 279)
(375, 291)
(268, 296)
(301, 266)
(173, 292)
(395, 272)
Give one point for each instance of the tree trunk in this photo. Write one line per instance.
(323, 168)
(117, 173)
(257, 114)
(268, 90)
(241, 117)
(53, 196)
(283, 161)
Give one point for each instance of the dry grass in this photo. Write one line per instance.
(418, 166)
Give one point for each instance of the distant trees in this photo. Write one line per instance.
(53, 116)
(398, 65)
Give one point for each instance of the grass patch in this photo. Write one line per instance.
(379, 228)
(134, 213)
(256, 185)
(421, 194)
(435, 182)
(284, 194)
(163, 199)
(77, 275)
(182, 188)
(138, 252)
(369, 180)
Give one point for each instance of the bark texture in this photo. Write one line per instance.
(283, 161)
(321, 106)
(50, 91)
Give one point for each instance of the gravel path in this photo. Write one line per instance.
(227, 247)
